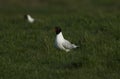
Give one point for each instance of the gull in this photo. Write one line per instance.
(29, 18)
(61, 42)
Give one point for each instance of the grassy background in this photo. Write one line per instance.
(27, 50)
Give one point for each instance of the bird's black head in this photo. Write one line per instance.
(25, 16)
(57, 30)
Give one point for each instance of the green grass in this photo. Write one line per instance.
(27, 50)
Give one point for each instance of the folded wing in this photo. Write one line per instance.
(66, 44)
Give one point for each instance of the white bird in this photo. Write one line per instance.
(29, 18)
(62, 43)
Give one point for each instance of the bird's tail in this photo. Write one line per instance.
(75, 46)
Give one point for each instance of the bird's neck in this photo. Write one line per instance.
(60, 36)
(29, 17)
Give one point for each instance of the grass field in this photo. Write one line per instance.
(27, 50)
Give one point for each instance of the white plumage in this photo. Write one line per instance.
(29, 18)
(62, 43)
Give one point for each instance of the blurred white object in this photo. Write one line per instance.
(29, 18)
